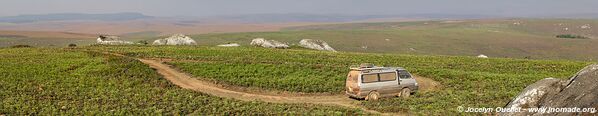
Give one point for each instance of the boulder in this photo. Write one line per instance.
(580, 91)
(482, 56)
(177, 39)
(229, 45)
(586, 26)
(315, 44)
(111, 40)
(268, 43)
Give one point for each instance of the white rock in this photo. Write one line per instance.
(229, 45)
(111, 40)
(517, 23)
(315, 44)
(268, 43)
(177, 39)
(586, 26)
(482, 56)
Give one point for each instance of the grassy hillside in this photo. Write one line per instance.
(512, 38)
(466, 81)
(39, 81)
(515, 38)
(43, 38)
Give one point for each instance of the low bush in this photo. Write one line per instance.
(571, 36)
(20, 46)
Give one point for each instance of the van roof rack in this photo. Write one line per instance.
(371, 68)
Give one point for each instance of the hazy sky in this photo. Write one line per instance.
(236, 7)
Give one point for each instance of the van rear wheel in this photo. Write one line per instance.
(372, 96)
(405, 93)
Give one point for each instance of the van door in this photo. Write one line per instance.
(405, 79)
(388, 81)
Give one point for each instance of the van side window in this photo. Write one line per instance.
(368, 78)
(388, 76)
(404, 74)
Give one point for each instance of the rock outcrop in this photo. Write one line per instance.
(111, 40)
(229, 45)
(268, 43)
(586, 26)
(580, 91)
(315, 44)
(482, 56)
(177, 39)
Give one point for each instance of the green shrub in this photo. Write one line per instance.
(20, 46)
(143, 42)
(72, 45)
(571, 36)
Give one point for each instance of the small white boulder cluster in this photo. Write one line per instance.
(268, 43)
(586, 26)
(229, 45)
(306, 43)
(177, 39)
(315, 44)
(482, 56)
(111, 40)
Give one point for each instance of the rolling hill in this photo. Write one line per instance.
(512, 38)
(505, 38)
(44, 38)
(73, 16)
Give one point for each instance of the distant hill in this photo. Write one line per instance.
(73, 16)
(298, 17)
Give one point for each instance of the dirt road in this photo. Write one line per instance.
(188, 82)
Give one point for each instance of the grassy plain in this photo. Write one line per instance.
(466, 81)
(499, 38)
(504, 38)
(52, 81)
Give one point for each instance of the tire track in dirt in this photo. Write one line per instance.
(186, 81)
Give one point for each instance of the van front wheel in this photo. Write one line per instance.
(405, 93)
(372, 96)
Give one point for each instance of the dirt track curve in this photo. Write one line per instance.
(186, 81)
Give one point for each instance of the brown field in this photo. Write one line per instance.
(162, 26)
(45, 34)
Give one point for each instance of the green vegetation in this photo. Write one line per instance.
(57, 81)
(466, 81)
(38, 81)
(44, 42)
(499, 38)
(20, 46)
(571, 36)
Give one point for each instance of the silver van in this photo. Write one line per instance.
(371, 82)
